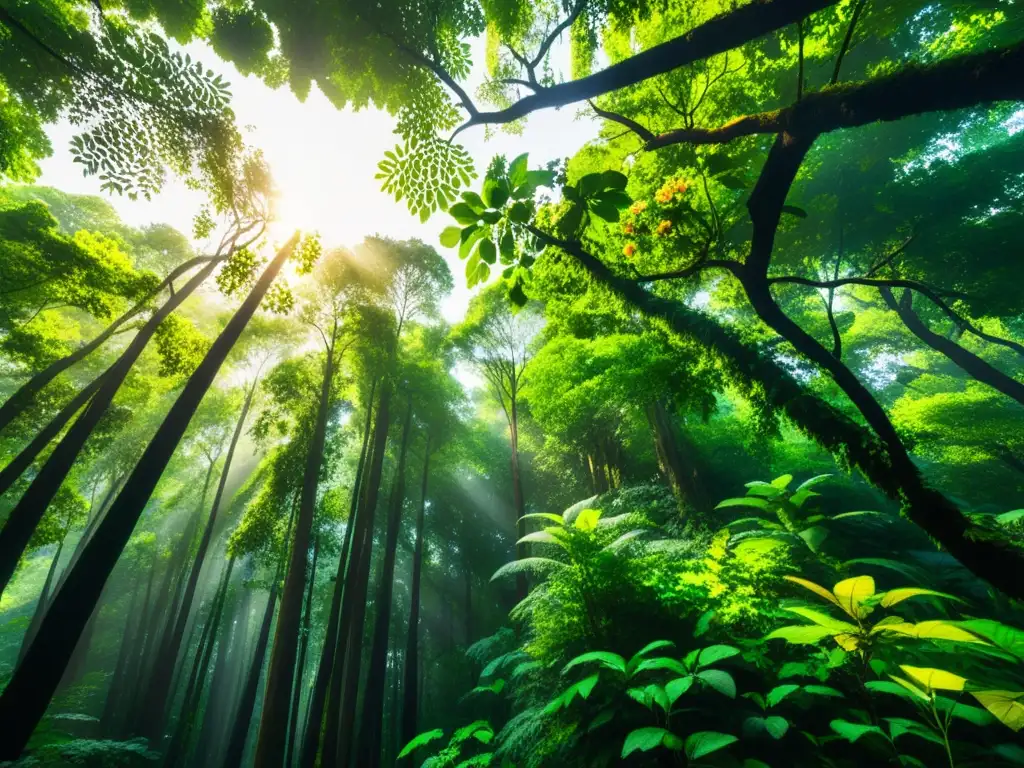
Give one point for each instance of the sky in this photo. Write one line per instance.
(323, 161)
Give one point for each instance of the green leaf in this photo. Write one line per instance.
(605, 210)
(517, 170)
(777, 694)
(676, 688)
(540, 178)
(451, 236)
(782, 482)
(587, 519)
(899, 726)
(810, 483)
(1008, 518)
(720, 681)
(854, 731)
(713, 653)
(581, 689)
(834, 626)
(822, 690)
(800, 635)
(894, 689)
(814, 537)
(519, 213)
(604, 658)
(480, 730)
(473, 200)
(419, 741)
(464, 214)
(646, 739)
(894, 596)
(488, 253)
(496, 193)
(774, 726)
(705, 742)
(746, 501)
(589, 185)
(652, 646)
(556, 519)
(1005, 705)
(661, 662)
(613, 180)
(1007, 638)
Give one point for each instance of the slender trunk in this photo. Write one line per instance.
(518, 501)
(44, 597)
(318, 697)
(178, 749)
(468, 603)
(17, 466)
(90, 529)
(967, 361)
(678, 464)
(129, 644)
(271, 742)
(30, 689)
(160, 685)
(300, 666)
(23, 397)
(410, 692)
(25, 516)
(341, 711)
(371, 731)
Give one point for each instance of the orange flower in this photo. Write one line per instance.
(628, 228)
(681, 187)
(638, 207)
(629, 250)
(663, 227)
(663, 196)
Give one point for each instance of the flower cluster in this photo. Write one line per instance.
(669, 190)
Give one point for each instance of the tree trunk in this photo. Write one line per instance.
(44, 598)
(160, 684)
(410, 692)
(328, 654)
(677, 463)
(25, 516)
(271, 743)
(300, 666)
(371, 730)
(17, 466)
(966, 361)
(22, 398)
(178, 749)
(30, 689)
(338, 735)
(518, 501)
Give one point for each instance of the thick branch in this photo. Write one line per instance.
(723, 33)
(733, 266)
(956, 83)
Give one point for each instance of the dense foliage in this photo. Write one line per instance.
(722, 466)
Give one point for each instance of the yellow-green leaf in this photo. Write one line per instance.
(822, 619)
(935, 679)
(934, 630)
(815, 588)
(1005, 705)
(587, 519)
(852, 593)
(917, 692)
(894, 596)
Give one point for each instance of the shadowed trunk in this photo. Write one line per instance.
(518, 500)
(300, 666)
(30, 689)
(328, 654)
(410, 691)
(371, 731)
(677, 462)
(271, 743)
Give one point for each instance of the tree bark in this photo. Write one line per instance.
(25, 699)
(25, 516)
(966, 361)
(271, 743)
(410, 692)
(328, 654)
(679, 467)
(338, 735)
(160, 684)
(300, 666)
(518, 500)
(44, 598)
(370, 738)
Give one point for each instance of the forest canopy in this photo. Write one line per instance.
(718, 459)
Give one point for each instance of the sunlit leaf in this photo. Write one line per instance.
(705, 742)
(1005, 705)
(419, 741)
(851, 594)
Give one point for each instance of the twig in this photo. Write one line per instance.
(846, 40)
(644, 134)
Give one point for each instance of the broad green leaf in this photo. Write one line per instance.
(528, 564)
(934, 630)
(899, 726)
(851, 594)
(646, 739)
(587, 519)
(811, 482)
(496, 687)
(799, 498)
(779, 692)
(419, 741)
(892, 565)
(1009, 639)
(450, 236)
(519, 213)
(911, 688)
(517, 170)
(895, 689)
(480, 730)
(934, 679)
(776, 726)
(705, 742)
(1005, 705)
(858, 513)
(676, 688)
(816, 589)
(814, 536)
(581, 689)
(782, 482)
(661, 662)
(472, 199)
(822, 619)
(822, 690)
(604, 658)
(957, 708)
(713, 653)
(800, 635)
(853, 731)
(613, 180)
(746, 501)
(1008, 518)
(653, 646)
(720, 681)
(551, 518)
(464, 214)
(488, 253)
(540, 537)
(894, 596)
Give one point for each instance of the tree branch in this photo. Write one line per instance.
(550, 39)
(846, 40)
(644, 134)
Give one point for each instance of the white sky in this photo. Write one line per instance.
(324, 160)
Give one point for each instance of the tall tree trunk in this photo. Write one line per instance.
(25, 516)
(338, 734)
(328, 654)
(44, 598)
(370, 738)
(17, 466)
(25, 699)
(160, 684)
(23, 396)
(410, 692)
(300, 666)
(178, 749)
(679, 466)
(271, 742)
(965, 360)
